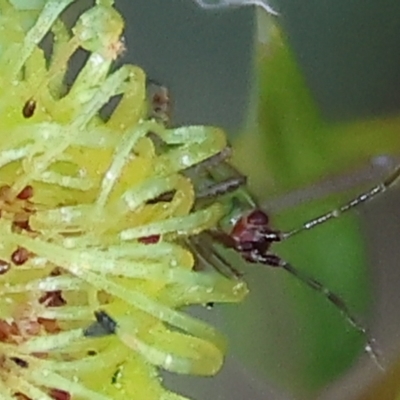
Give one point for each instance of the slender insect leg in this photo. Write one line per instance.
(275, 261)
(204, 257)
(203, 247)
(220, 188)
(360, 199)
(224, 177)
(235, 272)
(211, 162)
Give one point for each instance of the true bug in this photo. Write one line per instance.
(248, 232)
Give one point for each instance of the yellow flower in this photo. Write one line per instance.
(94, 271)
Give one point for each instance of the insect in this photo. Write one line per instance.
(253, 238)
(248, 231)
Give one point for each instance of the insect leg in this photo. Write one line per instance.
(223, 178)
(203, 247)
(220, 188)
(212, 161)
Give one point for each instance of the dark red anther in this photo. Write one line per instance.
(22, 225)
(20, 256)
(49, 325)
(53, 299)
(6, 331)
(58, 394)
(29, 108)
(26, 193)
(20, 362)
(4, 267)
(152, 239)
(21, 396)
(6, 193)
(56, 272)
(166, 197)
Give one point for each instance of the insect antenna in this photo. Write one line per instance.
(317, 286)
(362, 198)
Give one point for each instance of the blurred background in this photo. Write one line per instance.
(310, 100)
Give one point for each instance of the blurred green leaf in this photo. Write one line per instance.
(286, 331)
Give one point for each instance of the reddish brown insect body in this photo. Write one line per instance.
(252, 238)
(252, 235)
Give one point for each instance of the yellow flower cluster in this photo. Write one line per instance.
(82, 235)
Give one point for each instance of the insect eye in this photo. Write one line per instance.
(258, 217)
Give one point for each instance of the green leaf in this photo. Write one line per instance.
(285, 331)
